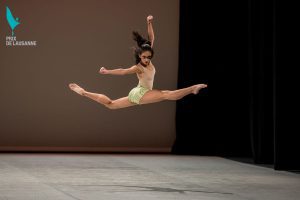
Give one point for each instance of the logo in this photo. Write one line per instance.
(13, 23)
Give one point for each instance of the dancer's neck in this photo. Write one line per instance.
(143, 64)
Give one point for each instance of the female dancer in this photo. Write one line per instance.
(145, 71)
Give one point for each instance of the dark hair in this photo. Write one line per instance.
(142, 46)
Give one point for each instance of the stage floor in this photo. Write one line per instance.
(140, 177)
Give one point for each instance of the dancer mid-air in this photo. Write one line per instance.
(145, 71)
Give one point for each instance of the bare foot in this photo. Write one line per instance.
(198, 87)
(76, 88)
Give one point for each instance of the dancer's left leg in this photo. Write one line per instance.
(153, 96)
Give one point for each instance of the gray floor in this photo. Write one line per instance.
(140, 177)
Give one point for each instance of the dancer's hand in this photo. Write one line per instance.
(103, 70)
(149, 18)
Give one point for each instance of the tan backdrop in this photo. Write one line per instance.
(74, 39)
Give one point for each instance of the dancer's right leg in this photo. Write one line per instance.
(102, 99)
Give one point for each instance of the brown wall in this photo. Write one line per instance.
(75, 39)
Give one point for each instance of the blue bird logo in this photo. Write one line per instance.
(13, 23)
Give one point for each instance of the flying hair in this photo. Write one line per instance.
(142, 46)
(139, 39)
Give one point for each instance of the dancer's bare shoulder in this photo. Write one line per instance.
(133, 69)
(151, 66)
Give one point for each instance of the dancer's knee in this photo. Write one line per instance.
(103, 99)
(168, 95)
(112, 105)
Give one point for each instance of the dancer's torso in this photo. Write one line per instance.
(146, 78)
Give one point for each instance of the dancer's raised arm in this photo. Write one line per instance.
(150, 29)
(120, 71)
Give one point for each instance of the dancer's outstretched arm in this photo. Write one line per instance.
(120, 71)
(150, 29)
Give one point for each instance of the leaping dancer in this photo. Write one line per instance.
(143, 93)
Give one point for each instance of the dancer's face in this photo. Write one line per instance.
(146, 57)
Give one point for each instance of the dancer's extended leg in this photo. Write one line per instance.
(101, 98)
(153, 96)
